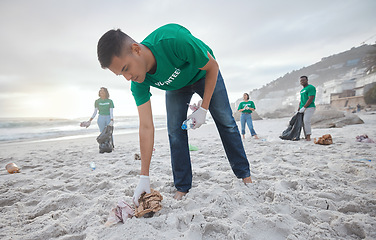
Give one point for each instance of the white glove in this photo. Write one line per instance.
(302, 110)
(143, 186)
(199, 116)
(194, 107)
(111, 123)
(85, 124)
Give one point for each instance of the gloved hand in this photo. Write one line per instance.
(194, 107)
(85, 124)
(111, 123)
(199, 116)
(302, 110)
(143, 186)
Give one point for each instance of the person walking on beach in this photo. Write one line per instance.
(172, 59)
(104, 106)
(307, 105)
(246, 107)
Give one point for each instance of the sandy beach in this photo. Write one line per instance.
(300, 190)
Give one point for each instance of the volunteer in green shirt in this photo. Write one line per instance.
(105, 107)
(246, 107)
(307, 105)
(174, 60)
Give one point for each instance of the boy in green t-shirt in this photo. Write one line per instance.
(172, 59)
(307, 105)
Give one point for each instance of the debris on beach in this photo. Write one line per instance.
(149, 203)
(120, 213)
(12, 168)
(364, 139)
(324, 140)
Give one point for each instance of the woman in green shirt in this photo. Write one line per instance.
(246, 107)
(105, 107)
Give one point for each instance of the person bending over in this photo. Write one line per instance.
(174, 60)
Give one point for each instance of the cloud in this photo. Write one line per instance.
(50, 46)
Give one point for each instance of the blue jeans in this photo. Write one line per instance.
(247, 118)
(103, 121)
(177, 107)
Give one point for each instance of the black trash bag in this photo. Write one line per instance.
(294, 129)
(105, 140)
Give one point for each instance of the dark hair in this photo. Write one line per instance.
(110, 45)
(247, 95)
(105, 91)
(304, 77)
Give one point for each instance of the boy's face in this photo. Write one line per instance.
(303, 82)
(129, 65)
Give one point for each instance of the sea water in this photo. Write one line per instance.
(29, 129)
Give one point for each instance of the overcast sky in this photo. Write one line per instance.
(48, 59)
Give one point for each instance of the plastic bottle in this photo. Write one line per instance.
(188, 124)
(92, 165)
(12, 168)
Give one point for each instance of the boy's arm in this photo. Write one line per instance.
(309, 101)
(211, 69)
(146, 135)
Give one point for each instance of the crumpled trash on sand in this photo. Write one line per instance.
(324, 140)
(364, 139)
(149, 204)
(120, 213)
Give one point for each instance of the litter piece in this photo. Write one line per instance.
(192, 148)
(12, 168)
(137, 156)
(364, 139)
(149, 203)
(120, 213)
(324, 140)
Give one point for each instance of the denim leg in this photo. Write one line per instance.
(177, 107)
(250, 125)
(242, 123)
(228, 130)
(103, 121)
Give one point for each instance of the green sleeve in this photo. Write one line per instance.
(140, 92)
(311, 91)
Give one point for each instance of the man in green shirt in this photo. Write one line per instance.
(307, 105)
(172, 59)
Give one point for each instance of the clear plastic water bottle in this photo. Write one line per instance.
(188, 124)
(92, 165)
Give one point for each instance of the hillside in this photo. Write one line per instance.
(282, 94)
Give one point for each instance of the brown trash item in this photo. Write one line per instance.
(12, 168)
(137, 156)
(324, 140)
(149, 202)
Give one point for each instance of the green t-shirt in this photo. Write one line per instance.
(104, 106)
(305, 93)
(250, 104)
(178, 55)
